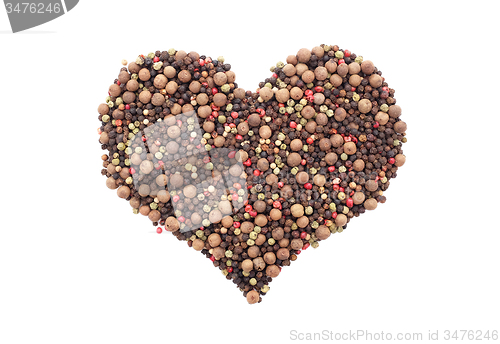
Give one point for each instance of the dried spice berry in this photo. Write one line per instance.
(251, 179)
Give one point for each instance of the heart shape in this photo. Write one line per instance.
(251, 179)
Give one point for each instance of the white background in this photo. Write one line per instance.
(76, 266)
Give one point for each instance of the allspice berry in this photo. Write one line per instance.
(172, 224)
(400, 160)
(266, 93)
(364, 106)
(275, 214)
(220, 99)
(294, 159)
(270, 258)
(367, 67)
(247, 265)
(303, 55)
(123, 191)
(258, 263)
(114, 90)
(371, 185)
(370, 204)
(297, 210)
(350, 148)
(394, 111)
(340, 220)
(272, 271)
(297, 244)
(214, 239)
(144, 74)
(400, 127)
(220, 78)
(198, 244)
(283, 254)
(219, 253)
(103, 109)
(111, 183)
(154, 215)
(265, 132)
(358, 165)
(322, 232)
(382, 118)
(253, 297)
(358, 197)
(282, 95)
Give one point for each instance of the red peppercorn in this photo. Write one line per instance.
(281, 105)
(341, 189)
(253, 213)
(176, 198)
(256, 173)
(215, 91)
(118, 83)
(303, 235)
(248, 162)
(212, 258)
(159, 230)
(230, 269)
(231, 154)
(127, 107)
(334, 215)
(293, 125)
(347, 53)
(201, 62)
(349, 202)
(308, 186)
(306, 246)
(341, 61)
(297, 252)
(156, 59)
(280, 184)
(277, 204)
(132, 170)
(392, 161)
(318, 89)
(182, 218)
(331, 168)
(376, 125)
(353, 89)
(308, 92)
(239, 137)
(335, 187)
(234, 114)
(248, 208)
(236, 224)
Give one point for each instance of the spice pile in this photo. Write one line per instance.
(251, 179)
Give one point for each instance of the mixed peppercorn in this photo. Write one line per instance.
(251, 179)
